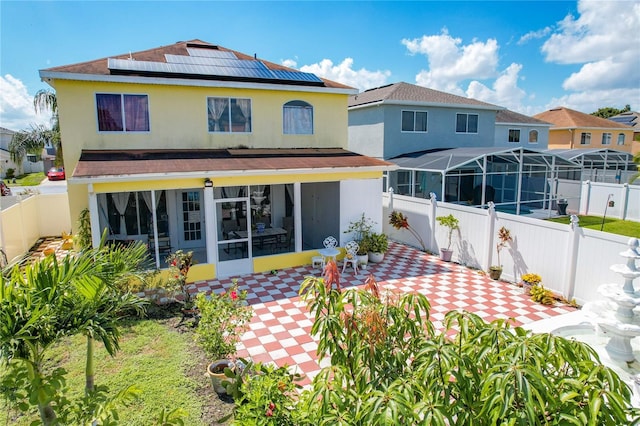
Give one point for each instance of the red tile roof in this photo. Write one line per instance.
(106, 163)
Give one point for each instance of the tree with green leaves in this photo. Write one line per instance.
(607, 112)
(51, 299)
(34, 140)
(390, 366)
(636, 160)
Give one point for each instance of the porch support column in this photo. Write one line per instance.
(483, 199)
(154, 221)
(297, 215)
(95, 217)
(210, 224)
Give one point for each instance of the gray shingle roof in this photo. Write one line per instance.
(507, 116)
(411, 93)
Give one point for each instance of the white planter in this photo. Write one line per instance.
(375, 257)
(363, 259)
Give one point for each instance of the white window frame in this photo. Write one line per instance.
(509, 135)
(621, 138)
(467, 132)
(607, 138)
(297, 105)
(123, 112)
(414, 112)
(229, 118)
(533, 134)
(585, 138)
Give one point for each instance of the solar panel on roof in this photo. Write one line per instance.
(231, 68)
(210, 53)
(220, 62)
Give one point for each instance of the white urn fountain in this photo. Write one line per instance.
(615, 315)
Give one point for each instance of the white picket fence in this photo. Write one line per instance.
(571, 260)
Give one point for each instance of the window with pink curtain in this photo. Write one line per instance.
(117, 113)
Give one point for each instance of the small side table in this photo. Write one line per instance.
(329, 253)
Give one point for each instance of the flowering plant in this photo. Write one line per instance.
(400, 221)
(533, 279)
(179, 264)
(223, 319)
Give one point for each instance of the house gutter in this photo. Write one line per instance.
(218, 174)
(49, 77)
(428, 104)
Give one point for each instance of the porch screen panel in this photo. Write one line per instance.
(191, 216)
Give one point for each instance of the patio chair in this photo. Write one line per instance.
(351, 257)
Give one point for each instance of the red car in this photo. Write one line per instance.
(4, 189)
(56, 173)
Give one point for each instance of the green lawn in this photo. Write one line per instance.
(161, 361)
(29, 179)
(611, 225)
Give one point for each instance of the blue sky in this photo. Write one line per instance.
(528, 56)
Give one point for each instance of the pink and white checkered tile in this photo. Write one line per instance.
(280, 329)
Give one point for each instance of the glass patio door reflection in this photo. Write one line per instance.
(233, 255)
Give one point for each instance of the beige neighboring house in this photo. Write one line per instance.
(5, 155)
(576, 130)
(630, 118)
(30, 164)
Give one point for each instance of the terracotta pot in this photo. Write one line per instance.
(446, 254)
(215, 371)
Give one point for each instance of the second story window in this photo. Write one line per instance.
(606, 139)
(620, 138)
(122, 113)
(466, 123)
(414, 121)
(585, 138)
(229, 115)
(514, 135)
(297, 118)
(533, 136)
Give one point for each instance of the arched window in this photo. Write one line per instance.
(297, 118)
(533, 136)
(620, 138)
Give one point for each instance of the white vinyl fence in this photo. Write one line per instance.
(25, 219)
(572, 261)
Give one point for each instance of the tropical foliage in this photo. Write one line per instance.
(400, 221)
(51, 299)
(390, 366)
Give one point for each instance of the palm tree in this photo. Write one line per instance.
(103, 305)
(34, 140)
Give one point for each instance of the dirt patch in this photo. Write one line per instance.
(214, 406)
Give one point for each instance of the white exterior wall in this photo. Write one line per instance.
(357, 197)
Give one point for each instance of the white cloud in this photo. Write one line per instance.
(451, 62)
(16, 105)
(603, 39)
(289, 63)
(531, 35)
(344, 73)
(590, 101)
(504, 91)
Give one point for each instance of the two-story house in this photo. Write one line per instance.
(576, 130)
(630, 118)
(197, 147)
(460, 149)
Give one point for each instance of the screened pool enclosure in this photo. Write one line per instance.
(516, 180)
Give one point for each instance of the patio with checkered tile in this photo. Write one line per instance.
(280, 329)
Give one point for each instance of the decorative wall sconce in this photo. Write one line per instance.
(208, 183)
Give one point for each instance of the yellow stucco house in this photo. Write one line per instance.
(197, 147)
(576, 130)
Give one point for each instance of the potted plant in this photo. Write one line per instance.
(529, 280)
(378, 245)
(400, 221)
(451, 222)
(504, 237)
(223, 319)
(363, 253)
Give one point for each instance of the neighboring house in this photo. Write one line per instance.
(460, 149)
(194, 146)
(514, 129)
(31, 163)
(576, 130)
(630, 118)
(401, 118)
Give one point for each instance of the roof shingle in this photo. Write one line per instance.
(568, 118)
